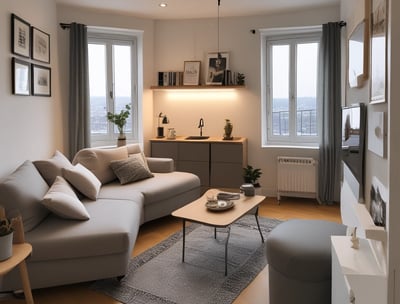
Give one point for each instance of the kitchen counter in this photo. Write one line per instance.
(211, 139)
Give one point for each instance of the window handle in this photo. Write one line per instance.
(111, 95)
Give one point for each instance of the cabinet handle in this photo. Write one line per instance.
(352, 298)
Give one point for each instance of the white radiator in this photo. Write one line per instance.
(297, 176)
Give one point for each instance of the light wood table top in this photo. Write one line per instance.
(20, 252)
(198, 212)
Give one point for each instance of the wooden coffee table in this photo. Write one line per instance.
(197, 212)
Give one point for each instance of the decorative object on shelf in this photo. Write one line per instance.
(378, 51)
(162, 120)
(119, 119)
(191, 73)
(41, 80)
(217, 64)
(251, 175)
(228, 130)
(240, 79)
(168, 79)
(40, 45)
(6, 238)
(21, 78)
(171, 133)
(20, 36)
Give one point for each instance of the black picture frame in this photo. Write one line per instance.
(41, 80)
(40, 47)
(20, 36)
(21, 77)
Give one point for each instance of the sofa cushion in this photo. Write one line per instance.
(131, 169)
(112, 229)
(98, 161)
(21, 192)
(62, 200)
(159, 188)
(83, 180)
(52, 167)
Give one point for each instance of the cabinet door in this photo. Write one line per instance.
(227, 153)
(226, 175)
(194, 152)
(198, 168)
(165, 149)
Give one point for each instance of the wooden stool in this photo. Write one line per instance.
(20, 252)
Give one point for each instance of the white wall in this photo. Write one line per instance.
(30, 127)
(180, 40)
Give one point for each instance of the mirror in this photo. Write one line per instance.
(357, 57)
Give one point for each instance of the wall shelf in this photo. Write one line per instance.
(196, 87)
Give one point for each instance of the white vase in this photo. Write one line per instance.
(6, 242)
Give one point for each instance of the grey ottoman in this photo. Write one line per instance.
(299, 259)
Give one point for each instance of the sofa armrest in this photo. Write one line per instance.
(160, 164)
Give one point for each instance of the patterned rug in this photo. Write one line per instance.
(158, 275)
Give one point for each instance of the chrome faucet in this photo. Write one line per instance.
(201, 125)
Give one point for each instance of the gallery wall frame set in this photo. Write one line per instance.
(30, 43)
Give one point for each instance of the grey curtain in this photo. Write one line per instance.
(330, 95)
(79, 110)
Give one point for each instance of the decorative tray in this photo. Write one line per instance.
(219, 205)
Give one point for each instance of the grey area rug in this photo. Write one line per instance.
(158, 276)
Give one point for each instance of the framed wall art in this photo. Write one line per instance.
(378, 51)
(40, 45)
(20, 36)
(41, 80)
(20, 77)
(191, 73)
(358, 55)
(216, 68)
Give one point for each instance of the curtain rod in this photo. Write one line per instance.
(65, 26)
(342, 23)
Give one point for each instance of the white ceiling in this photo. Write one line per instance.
(181, 9)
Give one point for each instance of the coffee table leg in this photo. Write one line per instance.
(183, 240)
(226, 250)
(258, 225)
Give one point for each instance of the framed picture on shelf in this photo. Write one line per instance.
(41, 80)
(20, 36)
(216, 68)
(378, 51)
(191, 73)
(20, 77)
(40, 45)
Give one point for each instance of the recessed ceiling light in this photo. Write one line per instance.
(163, 4)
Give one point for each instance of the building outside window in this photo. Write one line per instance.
(289, 83)
(113, 74)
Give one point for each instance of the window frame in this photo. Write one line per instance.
(271, 37)
(110, 37)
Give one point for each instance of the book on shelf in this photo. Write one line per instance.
(171, 78)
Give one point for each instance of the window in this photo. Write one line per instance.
(290, 107)
(113, 75)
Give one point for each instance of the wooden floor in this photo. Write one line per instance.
(156, 231)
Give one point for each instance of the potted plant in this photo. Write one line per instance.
(251, 176)
(119, 119)
(6, 239)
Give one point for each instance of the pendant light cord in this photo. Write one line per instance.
(218, 54)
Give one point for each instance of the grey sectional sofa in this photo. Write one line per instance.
(69, 250)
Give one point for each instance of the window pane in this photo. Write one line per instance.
(97, 86)
(306, 92)
(122, 80)
(280, 90)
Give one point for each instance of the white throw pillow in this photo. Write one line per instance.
(62, 200)
(83, 180)
(131, 169)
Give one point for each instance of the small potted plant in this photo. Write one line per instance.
(251, 176)
(6, 239)
(119, 119)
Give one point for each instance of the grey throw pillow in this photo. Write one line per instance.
(21, 192)
(131, 169)
(52, 167)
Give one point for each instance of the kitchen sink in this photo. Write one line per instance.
(197, 137)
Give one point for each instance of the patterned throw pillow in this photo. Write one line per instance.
(131, 169)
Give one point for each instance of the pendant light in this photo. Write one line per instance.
(219, 56)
